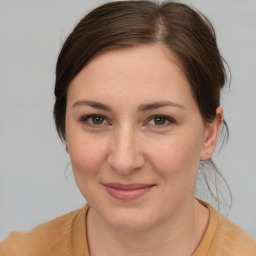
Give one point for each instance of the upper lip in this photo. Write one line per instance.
(127, 186)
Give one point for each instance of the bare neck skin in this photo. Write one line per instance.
(179, 236)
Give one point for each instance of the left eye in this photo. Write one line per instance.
(160, 120)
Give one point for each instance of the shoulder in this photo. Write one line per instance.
(224, 238)
(229, 238)
(49, 238)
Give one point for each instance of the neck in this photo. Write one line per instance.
(186, 227)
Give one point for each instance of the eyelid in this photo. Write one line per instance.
(84, 119)
(167, 118)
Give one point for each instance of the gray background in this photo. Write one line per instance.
(36, 182)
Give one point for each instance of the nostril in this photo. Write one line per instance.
(126, 164)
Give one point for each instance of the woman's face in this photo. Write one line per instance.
(135, 136)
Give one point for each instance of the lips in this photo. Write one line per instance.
(127, 192)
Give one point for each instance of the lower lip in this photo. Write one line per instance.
(127, 195)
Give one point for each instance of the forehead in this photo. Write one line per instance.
(139, 59)
(150, 71)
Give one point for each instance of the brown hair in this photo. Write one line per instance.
(188, 33)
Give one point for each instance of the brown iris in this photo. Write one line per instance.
(159, 120)
(97, 119)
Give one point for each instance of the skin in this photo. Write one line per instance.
(126, 144)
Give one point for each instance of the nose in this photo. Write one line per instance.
(125, 156)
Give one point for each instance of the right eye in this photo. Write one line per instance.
(94, 120)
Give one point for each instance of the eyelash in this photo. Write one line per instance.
(168, 119)
(85, 119)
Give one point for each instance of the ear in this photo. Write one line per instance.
(211, 135)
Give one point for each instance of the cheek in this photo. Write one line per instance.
(178, 157)
(87, 161)
(87, 157)
(176, 163)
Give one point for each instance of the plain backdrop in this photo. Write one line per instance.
(36, 181)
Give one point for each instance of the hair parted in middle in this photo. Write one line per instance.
(187, 33)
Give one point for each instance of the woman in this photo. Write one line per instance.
(138, 105)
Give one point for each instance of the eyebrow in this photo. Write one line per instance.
(142, 108)
(94, 104)
(159, 104)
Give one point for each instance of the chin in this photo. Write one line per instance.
(130, 225)
(129, 219)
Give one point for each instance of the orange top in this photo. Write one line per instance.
(66, 236)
